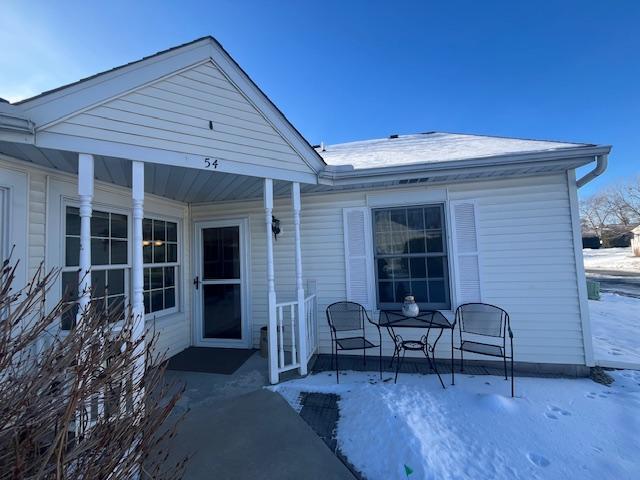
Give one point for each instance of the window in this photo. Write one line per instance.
(410, 252)
(160, 257)
(109, 260)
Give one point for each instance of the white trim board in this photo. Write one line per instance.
(15, 185)
(576, 233)
(406, 197)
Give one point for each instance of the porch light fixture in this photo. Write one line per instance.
(275, 227)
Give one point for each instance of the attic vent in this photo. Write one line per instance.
(395, 135)
(411, 181)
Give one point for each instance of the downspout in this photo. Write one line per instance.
(585, 320)
(601, 166)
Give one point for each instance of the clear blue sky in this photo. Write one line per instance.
(350, 70)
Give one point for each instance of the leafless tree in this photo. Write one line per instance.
(627, 199)
(70, 404)
(596, 213)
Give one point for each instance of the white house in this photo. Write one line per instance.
(162, 177)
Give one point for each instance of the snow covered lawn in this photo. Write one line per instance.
(555, 429)
(615, 325)
(621, 259)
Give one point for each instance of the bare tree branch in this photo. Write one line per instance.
(66, 398)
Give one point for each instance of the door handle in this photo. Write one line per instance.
(196, 282)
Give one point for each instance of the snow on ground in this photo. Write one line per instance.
(621, 259)
(554, 429)
(615, 328)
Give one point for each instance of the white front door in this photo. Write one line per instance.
(221, 284)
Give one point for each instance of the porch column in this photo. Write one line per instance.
(271, 283)
(85, 192)
(137, 300)
(302, 317)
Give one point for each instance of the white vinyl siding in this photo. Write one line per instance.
(174, 114)
(527, 261)
(37, 215)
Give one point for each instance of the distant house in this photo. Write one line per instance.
(635, 241)
(618, 235)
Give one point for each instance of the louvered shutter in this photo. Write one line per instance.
(358, 255)
(466, 251)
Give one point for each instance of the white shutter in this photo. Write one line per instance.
(358, 255)
(466, 251)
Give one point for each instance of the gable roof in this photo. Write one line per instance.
(432, 147)
(55, 105)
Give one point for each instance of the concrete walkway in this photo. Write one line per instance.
(235, 429)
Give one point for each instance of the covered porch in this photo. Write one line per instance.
(126, 156)
(214, 262)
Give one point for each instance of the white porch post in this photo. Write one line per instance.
(302, 317)
(271, 283)
(137, 300)
(85, 192)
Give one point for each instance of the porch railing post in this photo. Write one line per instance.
(137, 303)
(271, 284)
(302, 318)
(85, 192)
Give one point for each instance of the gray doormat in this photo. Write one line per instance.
(210, 360)
(321, 412)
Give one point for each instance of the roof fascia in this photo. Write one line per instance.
(47, 109)
(262, 102)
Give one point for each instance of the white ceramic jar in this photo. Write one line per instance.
(410, 307)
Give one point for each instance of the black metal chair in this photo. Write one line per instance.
(478, 323)
(350, 317)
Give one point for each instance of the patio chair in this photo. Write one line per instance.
(483, 330)
(350, 317)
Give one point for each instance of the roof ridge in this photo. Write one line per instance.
(479, 135)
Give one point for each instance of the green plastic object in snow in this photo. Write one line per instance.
(593, 290)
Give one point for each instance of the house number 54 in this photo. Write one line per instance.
(210, 163)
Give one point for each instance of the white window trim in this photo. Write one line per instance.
(16, 230)
(161, 314)
(444, 203)
(408, 198)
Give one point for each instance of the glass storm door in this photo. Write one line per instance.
(221, 284)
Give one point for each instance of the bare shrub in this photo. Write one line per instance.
(71, 403)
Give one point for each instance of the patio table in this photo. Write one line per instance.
(428, 320)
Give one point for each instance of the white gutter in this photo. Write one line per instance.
(346, 174)
(601, 166)
(11, 123)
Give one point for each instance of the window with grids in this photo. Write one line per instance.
(109, 261)
(410, 252)
(160, 256)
